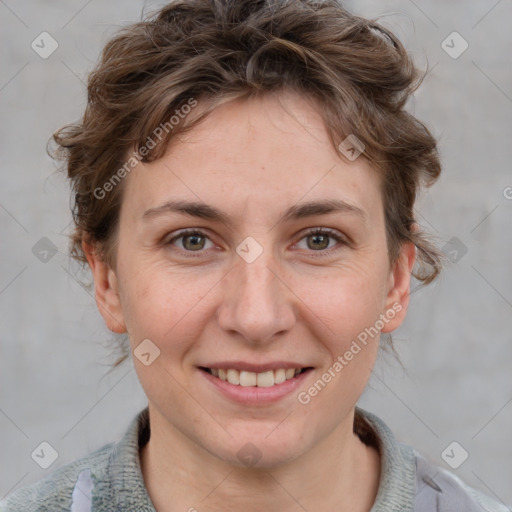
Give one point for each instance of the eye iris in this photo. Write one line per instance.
(194, 244)
(324, 241)
(315, 241)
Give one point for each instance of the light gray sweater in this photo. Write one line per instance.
(110, 479)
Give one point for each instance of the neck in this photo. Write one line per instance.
(340, 473)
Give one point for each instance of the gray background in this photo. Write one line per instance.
(456, 343)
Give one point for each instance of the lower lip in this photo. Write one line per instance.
(254, 394)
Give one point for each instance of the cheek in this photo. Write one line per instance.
(168, 309)
(347, 300)
(347, 309)
(164, 306)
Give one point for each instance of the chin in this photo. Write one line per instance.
(263, 450)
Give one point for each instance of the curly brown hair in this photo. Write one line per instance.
(212, 51)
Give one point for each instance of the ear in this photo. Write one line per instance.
(105, 289)
(397, 300)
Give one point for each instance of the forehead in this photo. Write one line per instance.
(255, 156)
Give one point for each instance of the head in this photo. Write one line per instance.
(253, 108)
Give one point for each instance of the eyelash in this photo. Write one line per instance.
(313, 231)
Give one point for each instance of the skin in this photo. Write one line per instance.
(301, 300)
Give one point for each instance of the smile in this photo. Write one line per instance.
(264, 379)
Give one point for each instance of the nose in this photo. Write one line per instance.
(256, 302)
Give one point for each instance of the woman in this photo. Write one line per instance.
(244, 180)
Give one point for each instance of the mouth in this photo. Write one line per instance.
(247, 379)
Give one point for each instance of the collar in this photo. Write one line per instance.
(122, 488)
(398, 464)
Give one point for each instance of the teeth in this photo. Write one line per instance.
(279, 376)
(233, 377)
(265, 379)
(247, 378)
(252, 379)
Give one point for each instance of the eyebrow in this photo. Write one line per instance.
(295, 212)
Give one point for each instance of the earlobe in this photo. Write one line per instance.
(105, 289)
(397, 300)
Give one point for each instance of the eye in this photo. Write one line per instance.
(318, 239)
(192, 240)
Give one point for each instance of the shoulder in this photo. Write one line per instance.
(108, 479)
(410, 482)
(57, 491)
(440, 490)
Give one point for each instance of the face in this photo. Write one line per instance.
(284, 267)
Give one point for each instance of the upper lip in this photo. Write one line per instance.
(256, 368)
